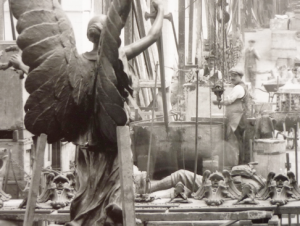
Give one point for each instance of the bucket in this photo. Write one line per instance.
(176, 149)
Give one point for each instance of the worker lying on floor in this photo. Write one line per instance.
(237, 108)
(165, 188)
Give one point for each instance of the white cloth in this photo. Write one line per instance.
(236, 93)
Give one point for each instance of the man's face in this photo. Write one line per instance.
(235, 79)
(251, 44)
(210, 64)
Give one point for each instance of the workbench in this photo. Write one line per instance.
(195, 213)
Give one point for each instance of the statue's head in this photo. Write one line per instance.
(60, 181)
(95, 27)
(215, 179)
(280, 179)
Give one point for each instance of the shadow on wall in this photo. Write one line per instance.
(11, 223)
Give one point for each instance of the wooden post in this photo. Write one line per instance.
(35, 180)
(181, 45)
(274, 8)
(126, 175)
(234, 20)
(288, 164)
(191, 30)
(138, 13)
(199, 32)
(7, 172)
(2, 19)
(128, 29)
(241, 18)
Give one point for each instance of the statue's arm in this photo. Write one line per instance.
(18, 64)
(141, 45)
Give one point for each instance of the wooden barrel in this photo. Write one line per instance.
(176, 149)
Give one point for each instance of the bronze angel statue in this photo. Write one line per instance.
(81, 98)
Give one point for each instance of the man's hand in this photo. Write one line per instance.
(215, 102)
(16, 61)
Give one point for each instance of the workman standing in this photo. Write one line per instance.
(237, 108)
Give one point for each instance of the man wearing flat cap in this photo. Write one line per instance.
(251, 57)
(210, 72)
(237, 107)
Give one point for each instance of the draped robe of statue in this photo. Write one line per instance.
(75, 98)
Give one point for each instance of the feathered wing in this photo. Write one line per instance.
(111, 84)
(58, 79)
(66, 94)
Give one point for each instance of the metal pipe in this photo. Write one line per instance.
(191, 26)
(151, 134)
(251, 150)
(196, 132)
(296, 149)
(160, 48)
(181, 45)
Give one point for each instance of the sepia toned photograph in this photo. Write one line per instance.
(149, 112)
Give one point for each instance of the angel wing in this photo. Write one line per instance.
(233, 191)
(67, 93)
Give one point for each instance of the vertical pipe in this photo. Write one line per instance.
(12, 22)
(196, 132)
(274, 8)
(296, 150)
(151, 133)
(287, 162)
(199, 32)
(191, 30)
(2, 19)
(290, 220)
(181, 45)
(251, 150)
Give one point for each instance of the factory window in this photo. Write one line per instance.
(6, 134)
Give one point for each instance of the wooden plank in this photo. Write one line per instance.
(245, 223)
(229, 223)
(192, 223)
(149, 84)
(35, 180)
(126, 175)
(38, 217)
(247, 215)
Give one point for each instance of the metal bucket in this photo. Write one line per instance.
(176, 149)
